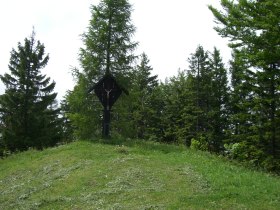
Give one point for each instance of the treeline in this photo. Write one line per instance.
(229, 109)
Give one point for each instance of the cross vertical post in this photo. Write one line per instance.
(106, 123)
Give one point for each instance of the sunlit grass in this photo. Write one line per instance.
(131, 175)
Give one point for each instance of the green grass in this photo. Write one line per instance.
(131, 175)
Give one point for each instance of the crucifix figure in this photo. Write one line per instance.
(108, 97)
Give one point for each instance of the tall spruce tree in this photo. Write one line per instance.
(143, 85)
(219, 102)
(155, 105)
(242, 83)
(108, 46)
(28, 114)
(181, 111)
(253, 29)
(201, 74)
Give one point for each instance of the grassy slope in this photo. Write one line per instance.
(85, 175)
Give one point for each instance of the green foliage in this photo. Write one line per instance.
(195, 103)
(107, 47)
(252, 27)
(200, 144)
(242, 152)
(67, 127)
(109, 34)
(83, 111)
(233, 150)
(29, 115)
(141, 100)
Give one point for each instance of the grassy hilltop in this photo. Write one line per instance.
(136, 175)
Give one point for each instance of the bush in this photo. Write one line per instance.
(271, 164)
(244, 152)
(251, 155)
(200, 144)
(233, 150)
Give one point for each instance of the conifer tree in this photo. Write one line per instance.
(219, 102)
(28, 113)
(143, 85)
(181, 111)
(108, 40)
(107, 48)
(208, 99)
(253, 29)
(242, 82)
(199, 69)
(157, 120)
(242, 115)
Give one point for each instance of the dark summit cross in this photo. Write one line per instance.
(108, 91)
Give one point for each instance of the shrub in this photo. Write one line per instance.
(200, 144)
(233, 150)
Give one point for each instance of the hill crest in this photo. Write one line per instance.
(136, 175)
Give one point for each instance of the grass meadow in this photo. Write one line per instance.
(131, 174)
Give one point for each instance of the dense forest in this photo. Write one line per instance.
(233, 110)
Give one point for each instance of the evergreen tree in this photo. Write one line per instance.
(253, 29)
(201, 86)
(108, 44)
(28, 112)
(83, 110)
(181, 112)
(108, 48)
(67, 127)
(143, 85)
(192, 105)
(157, 118)
(242, 114)
(242, 83)
(219, 102)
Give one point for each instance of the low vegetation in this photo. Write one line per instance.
(131, 175)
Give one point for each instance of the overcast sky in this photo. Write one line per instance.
(168, 31)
